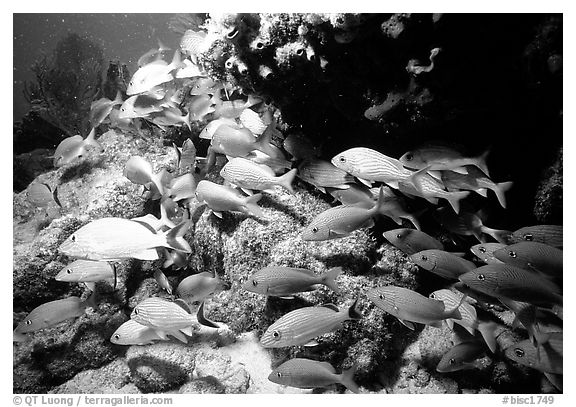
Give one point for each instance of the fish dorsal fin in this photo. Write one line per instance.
(182, 304)
(332, 307)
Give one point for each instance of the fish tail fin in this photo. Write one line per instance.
(347, 379)
(164, 215)
(162, 47)
(176, 61)
(354, 312)
(454, 199)
(157, 181)
(286, 180)
(380, 207)
(488, 332)
(500, 190)
(118, 100)
(481, 161)
(329, 279)
(202, 320)
(500, 235)
(251, 206)
(92, 300)
(175, 240)
(91, 140)
(263, 143)
(187, 121)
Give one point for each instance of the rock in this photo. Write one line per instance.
(549, 197)
(231, 375)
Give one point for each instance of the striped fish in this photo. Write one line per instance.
(485, 252)
(252, 121)
(502, 280)
(547, 234)
(409, 306)
(251, 176)
(476, 181)
(533, 256)
(545, 358)
(309, 374)
(164, 316)
(300, 326)
(468, 224)
(88, 272)
(412, 241)
(324, 174)
(221, 198)
(284, 281)
(117, 238)
(461, 357)
(438, 157)
(469, 320)
(442, 263)
(428, 186)
(197, 287)
(371, 166)
(134, 333)
(355, 194)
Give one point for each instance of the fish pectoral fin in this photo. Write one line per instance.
(178, 335)
(148, 254)
(311, 343)
(217, 214)
(247, 191)
(407, 324)
(436, 174)
(365, 182)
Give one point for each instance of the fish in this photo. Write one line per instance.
(371, 166)
(177, 259)
(182, 188)
(503, 280)
(203, 86)
(277, 164)
(41, 195)
(153, 74)
(528, 316)
(232, 109)
(429, 186)
(186, 156)
(462, 356)
(164, 316)
(533, 256)
(248, 176)
(144, 59)
(485, 252)
(141, 106)
(340, 221)
(101, 108)
(545, 358)
(194, 43)
(278, 281)
(170, 117)
(134, 333)
(437, 157)
(299, 147)
(469, 320)
(298, 327)
(120, 123)
(117, 238)
(220, 198)
(153, 222)
(162, 281)
(199, 106)
(74, 148)
(308, 374)
(409, 306)
(189, 70)
(442, 263)
(239, 142)
(412, 241)
(88, 272)
(197, 287)
(355, 194)
(547, 234)
(140, 172)
(54, 312)
(324, 174)
(252, 121)
(468, 224)
(476, 180)
(395, 206)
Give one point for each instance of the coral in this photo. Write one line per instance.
(549, 196)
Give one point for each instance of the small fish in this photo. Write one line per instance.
(186, 156)
(442, 158)
(232, 109)
(461, 357)
(248, 175)
(442, 263)
(395, 206)
(429, 186)
(199, 106)
(412, 241)
(170, 117)
(41, 195)
(239, 142)
(117, 238)
(177, 259)
(197, 287)
(162, 281)
(74, 148)
(371, 166)
(134, 333)
(528, 316)
(340, 221)
(101, 108)
(277, 164)
(153, 74)
(300, 326)
(533, 256)
(409, 306)
(300, 147)
(545, 358)
(252, 121)
(476, 180)
(485, 252)
(119, 123)
(220, 198)
(280, 281)
(469, 320)
(54, 312)
(141, 106)
(547, 234)
(308, 374)
(502, 280)
(182, 188)
(145, 59)
(323, 174)
(355, 194)
(164, 316)
(468, 224)
(140, 172)
(88, 272)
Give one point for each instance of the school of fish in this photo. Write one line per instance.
(522, 270)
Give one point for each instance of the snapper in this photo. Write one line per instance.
(74, 148)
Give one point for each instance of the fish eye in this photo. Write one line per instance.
(314, 230)
(135, 311)
(68, 271)
(28, 322)
(529, 237)
(276, 335)
(409, 156)
(481, 277)
(116, 336)
(424, 257)
(342, 159)
(399, 236)
(254, 283)
(519, 352)
(278, 374)
(433, 296)
(73, 238)
(452, 361)
(512, 254)
(482, 249)
(381, 296)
